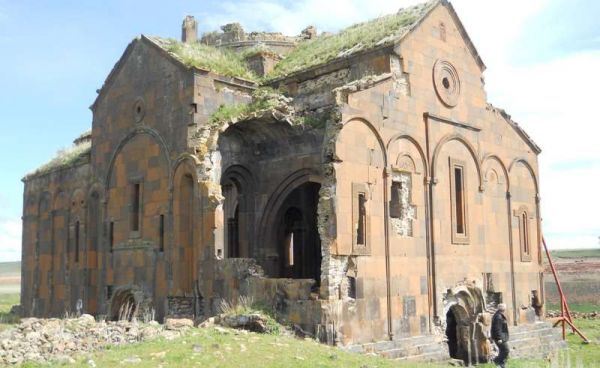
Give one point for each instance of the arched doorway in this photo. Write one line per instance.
(466, 329)
(299, 244)
(123, 306)
(458, 332)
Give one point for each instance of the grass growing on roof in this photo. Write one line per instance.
(263, 98)
(355, 38)
(219, 60)
(65, 157)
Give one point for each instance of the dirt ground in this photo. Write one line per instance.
(579, 277)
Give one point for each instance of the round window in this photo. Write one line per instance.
(446, 83)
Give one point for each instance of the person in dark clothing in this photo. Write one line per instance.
(500, 335)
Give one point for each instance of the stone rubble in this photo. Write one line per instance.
(43, 340)
(576, 315)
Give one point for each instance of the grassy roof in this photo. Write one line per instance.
(219, 60)
(359, 37)
(64, 158)
(263, 99)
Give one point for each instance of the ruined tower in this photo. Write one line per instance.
(189, 30)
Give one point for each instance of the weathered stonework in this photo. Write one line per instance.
(375, 200)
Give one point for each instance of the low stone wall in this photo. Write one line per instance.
(291, 300)
(576, 315)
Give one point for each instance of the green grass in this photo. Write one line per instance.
(214, 348)
(65, 157)
(218, 60)
(575, 307)
(235, 349)
(6, 303)
(359, 37)
(575, 253)
(263, 98)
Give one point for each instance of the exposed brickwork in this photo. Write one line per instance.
(389, 195)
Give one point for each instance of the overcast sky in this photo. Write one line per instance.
(542, 57)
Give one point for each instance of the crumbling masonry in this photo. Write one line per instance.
(358, 183)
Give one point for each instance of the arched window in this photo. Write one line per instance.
(524, 233)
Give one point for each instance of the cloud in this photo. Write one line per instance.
(294, 16)
(552, 100)
(10, 240)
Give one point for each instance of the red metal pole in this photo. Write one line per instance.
(565, 314)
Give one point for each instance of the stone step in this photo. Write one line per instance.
(412, 351)
(427, 357)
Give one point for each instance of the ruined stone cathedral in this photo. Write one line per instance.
(358, 183)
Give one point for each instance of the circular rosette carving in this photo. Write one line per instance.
(446, 82)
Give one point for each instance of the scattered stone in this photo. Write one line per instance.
(197, 348)
(210, 322)
(251, 322)
(44, 340)
(178, 323)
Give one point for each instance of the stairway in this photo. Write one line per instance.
(534, 340)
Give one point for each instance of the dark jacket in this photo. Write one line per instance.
(499, 327)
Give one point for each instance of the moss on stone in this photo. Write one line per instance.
(219, 60)
(359, 37)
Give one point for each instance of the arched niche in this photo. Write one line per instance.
(185, 208)
(360, 190)
(238, 188)
(137, 189)
(408, 168)
(457, 190)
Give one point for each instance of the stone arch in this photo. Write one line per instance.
(463, 307)
(124, 304)
(189, 162)
(528, 166)
(269, 222)
(491, 158)
(237, 186)
(468, 146)
(132, 134)
(416, 144)
(287, 185)
(185, 214)
(373, 130)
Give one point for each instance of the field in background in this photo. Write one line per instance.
(579, 275)
(10, 277)
(575, 253)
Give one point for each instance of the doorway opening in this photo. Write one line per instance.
(123, 306)
(299, 250)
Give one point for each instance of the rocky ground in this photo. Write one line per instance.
(42, 340)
